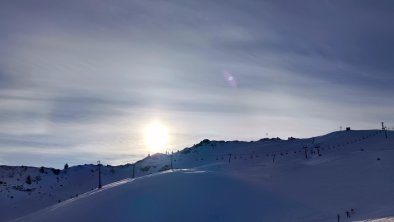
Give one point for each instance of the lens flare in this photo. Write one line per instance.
(229, 79)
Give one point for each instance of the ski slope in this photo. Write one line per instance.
(266, 180)
(49, 186)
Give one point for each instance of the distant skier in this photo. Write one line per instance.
(347, 214)
(338, 217)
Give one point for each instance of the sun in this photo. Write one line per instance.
(156, 137)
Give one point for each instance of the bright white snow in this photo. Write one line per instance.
(267, 180)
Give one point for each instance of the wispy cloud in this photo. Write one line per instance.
(82, 77)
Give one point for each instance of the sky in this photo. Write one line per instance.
(80, 80)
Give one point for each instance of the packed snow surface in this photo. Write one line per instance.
(268, 180)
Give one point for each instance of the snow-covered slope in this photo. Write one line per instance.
(267, 180)
(46, 186)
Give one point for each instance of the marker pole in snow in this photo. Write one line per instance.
(229, 157)
(134, 170)
(306, 152)
(171, 160)
(273, 159)
(99, 174)
(384, 129)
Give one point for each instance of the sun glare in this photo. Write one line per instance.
(156, 137)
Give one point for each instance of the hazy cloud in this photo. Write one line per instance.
(84, 77)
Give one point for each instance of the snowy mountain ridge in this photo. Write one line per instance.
(265, 176)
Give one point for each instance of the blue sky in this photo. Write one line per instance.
(79, 80)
